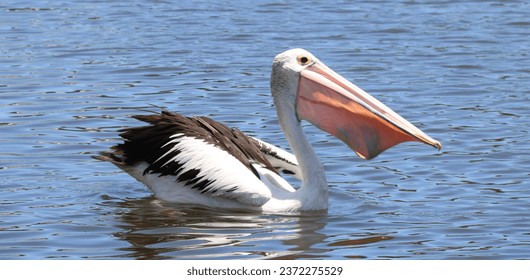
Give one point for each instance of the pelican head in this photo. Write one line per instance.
(302, 84)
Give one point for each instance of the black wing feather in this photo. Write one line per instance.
(149, 143)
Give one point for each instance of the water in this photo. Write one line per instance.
(73, 72)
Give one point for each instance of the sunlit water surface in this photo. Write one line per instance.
(72, 73)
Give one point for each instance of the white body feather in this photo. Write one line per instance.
(234, 186)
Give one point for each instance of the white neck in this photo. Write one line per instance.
(313, 195)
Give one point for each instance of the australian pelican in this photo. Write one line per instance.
(196, 160)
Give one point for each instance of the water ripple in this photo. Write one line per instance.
(73, 72)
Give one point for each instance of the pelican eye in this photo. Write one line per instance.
(303, 60)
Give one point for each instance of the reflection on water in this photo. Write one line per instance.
(159, 230)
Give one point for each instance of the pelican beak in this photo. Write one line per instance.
(367, 126)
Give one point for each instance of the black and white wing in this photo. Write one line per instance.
(187, 158)
(283, 161)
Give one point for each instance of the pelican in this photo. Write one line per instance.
(196, 160)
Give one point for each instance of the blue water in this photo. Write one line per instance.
(72, 72)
